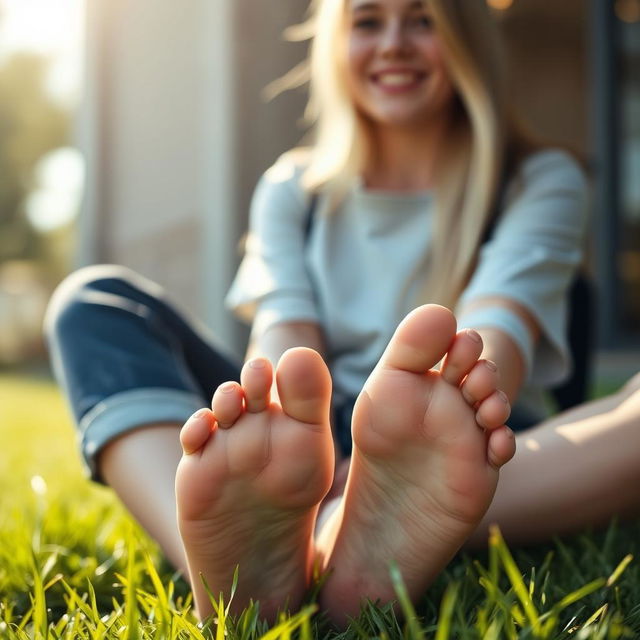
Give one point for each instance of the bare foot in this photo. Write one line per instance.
(427, 449)
(250, 481)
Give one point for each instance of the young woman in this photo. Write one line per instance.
(417, 188)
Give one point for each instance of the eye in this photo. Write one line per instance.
(421, 21)
(366, 24)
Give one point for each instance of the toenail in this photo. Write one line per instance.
(259, 363)
(200, 413)
(503, 396)
(228, 387)
(474, 335)
(491, 365)
(510, 433)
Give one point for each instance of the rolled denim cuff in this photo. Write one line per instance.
(129, 410)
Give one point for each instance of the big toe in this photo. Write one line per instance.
(421, 340)
(304, 386)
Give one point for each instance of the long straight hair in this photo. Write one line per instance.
(484, 134)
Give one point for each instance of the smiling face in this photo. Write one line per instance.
(395, 68)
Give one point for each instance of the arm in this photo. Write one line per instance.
(517, 296)
(501, 348)
(272, 289)
(275, 340)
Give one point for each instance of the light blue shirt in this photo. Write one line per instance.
(364, 265)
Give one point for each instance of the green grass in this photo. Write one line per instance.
(73, 565)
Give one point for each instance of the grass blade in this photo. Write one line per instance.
(132, 614)
(446, 611)
(619, 570)
(515, 577)
(39, 601)
(578, 594)
(415, 631)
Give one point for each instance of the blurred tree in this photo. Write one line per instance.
(31, 124)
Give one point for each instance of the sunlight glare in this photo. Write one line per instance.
(54, 29)
(500, 5)
(60, 183)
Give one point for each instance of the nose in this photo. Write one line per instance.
(395, 40)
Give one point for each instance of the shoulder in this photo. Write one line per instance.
(549, 169)
(279, 195)
(286, 173)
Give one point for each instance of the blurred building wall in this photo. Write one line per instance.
(176, 134)
(176, 130)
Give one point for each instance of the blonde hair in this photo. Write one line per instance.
(471, 170)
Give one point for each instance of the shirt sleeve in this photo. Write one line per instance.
(532, 259)
(272, 284)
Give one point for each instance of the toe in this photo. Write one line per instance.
(227, 404)
(196, 431)
(480, 382)
(304, 386)
(462, 356)
(493, 411)
(501, 447)
(421, 340)
(256, 378)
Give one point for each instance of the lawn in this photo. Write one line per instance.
(73, 565)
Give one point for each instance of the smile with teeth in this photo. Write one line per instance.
(396, 79)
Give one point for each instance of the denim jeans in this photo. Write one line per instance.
(126, 358)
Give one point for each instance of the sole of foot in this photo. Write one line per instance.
(250, 480)
(428, 445)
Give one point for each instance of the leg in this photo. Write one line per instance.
(250, 482)
(147, 490)
(133, 371)
(423, 471)
(576, 470)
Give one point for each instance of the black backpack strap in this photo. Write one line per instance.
(580, 334)
(310, 217)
